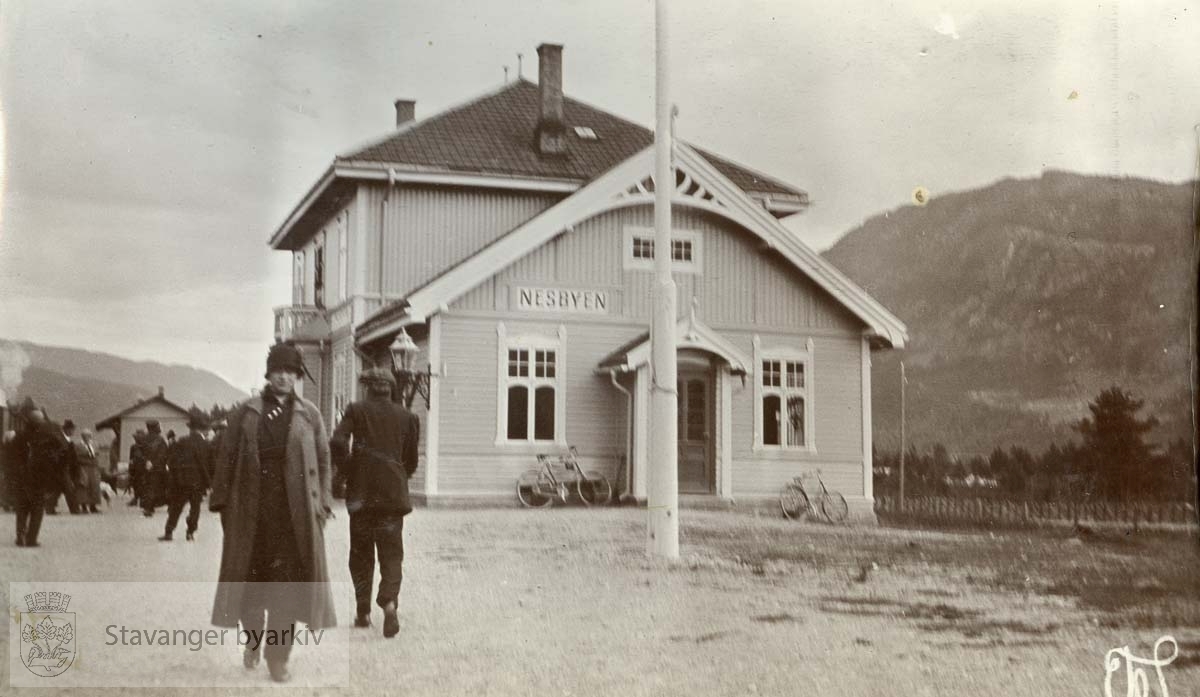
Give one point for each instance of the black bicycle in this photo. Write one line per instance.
(796, 501)
(539, 487)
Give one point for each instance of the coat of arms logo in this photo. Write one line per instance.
(47, 634)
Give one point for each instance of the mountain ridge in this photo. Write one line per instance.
(1024, 299)
(89, 386)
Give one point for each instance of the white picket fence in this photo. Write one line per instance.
(1007, 512)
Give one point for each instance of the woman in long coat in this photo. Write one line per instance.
(272, 487)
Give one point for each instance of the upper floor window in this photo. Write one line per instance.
(319, 276)
(639, 250)
(298, 278)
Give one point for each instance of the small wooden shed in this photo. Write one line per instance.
(170, 416)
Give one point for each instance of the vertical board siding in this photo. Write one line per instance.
(742, 290)
(837, 418)
(429, 229)
(470, 460)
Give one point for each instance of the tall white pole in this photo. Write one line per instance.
(662, 531)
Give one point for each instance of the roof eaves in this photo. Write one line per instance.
(376, 170)
(313, 195)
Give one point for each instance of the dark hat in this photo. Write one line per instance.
(152, 426)
(285, 356)
(68, 425)
(377, 375)
(197, 422)
(171, 433)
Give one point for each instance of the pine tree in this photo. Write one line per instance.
(1114, 444)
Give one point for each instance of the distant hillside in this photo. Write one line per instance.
(1026, 298)
(87, 387)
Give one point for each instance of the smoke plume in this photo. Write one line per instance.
(13, 362)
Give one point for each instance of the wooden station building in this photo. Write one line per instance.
(512, 238)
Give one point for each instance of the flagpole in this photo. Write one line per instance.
(662, 530)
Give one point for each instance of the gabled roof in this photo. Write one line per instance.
(690, 333)
(703, 186)
(114, 421)
(493, 138)
(495, 135)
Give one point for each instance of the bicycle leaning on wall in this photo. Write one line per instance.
(540, 486)
(799, 498)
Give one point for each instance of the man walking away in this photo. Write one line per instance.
(378, 464)
(137, 466)
(33, 458)
(187, 475)
(66, 474)
(155, 478)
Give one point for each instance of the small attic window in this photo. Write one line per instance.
(586, 133)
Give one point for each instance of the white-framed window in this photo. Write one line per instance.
(686, 250)
(339, 387)
(783, 397)
(298, 278)
(343, 236)
(531, 388)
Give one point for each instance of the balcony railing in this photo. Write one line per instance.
(289, 319)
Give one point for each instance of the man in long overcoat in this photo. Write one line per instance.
(33, 464)
(271, 485)
(87, 493)
(187, 479)
(137, 467)
(154, 479)
(66, 474)
(375, 444)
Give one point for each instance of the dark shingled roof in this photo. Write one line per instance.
(495, 134)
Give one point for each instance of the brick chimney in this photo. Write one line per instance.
(551, 133)
(406, 111)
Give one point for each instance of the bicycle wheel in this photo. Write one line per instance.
(793, 501)
(833, 507)
(593, 488)
(534, 489)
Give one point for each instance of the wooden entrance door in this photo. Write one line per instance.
(695, 432)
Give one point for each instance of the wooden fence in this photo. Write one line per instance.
(1004, 512)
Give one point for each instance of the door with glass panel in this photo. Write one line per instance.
(695, 432)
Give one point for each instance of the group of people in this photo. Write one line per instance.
(45, 462)
(172, 472)
(272, 488)
(269, 475)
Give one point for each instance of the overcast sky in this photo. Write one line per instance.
(150, 148)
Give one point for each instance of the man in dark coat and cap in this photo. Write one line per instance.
(33, 460)
(187, 479)
(377, 464)
(271, 486)
(66, 475)
(154, 485)
(137, 467)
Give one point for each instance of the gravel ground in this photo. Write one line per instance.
(564, 602)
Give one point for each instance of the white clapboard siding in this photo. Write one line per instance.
(743, 290)
(427, 229)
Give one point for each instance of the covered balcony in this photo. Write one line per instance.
(299, 322)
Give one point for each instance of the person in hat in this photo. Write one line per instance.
(137, 466)
(187, 479)
(66, 475)
(154, 484)
(375, 444)
(33, 457)
(271, 485)
(87, 491)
